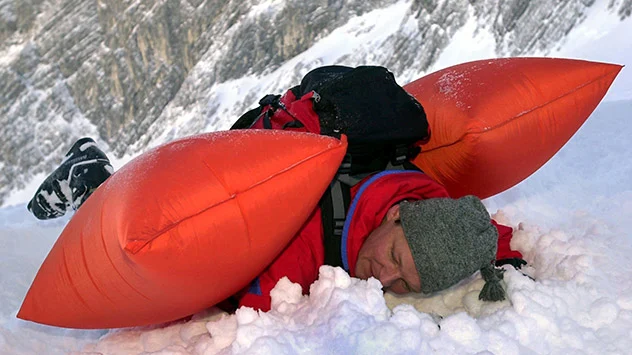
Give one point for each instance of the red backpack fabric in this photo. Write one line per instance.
(289, 113)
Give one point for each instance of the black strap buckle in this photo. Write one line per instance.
(339, 225)
(270, 100)
(403, 153)
(345, 166)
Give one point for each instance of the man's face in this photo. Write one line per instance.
(386, 256)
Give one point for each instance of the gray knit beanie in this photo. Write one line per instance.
(451, 239)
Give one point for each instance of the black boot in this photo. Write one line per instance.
(82, 171)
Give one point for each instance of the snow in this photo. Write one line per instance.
(572, 221)
(9, 54)
(270, 7)
(477, 42)
(601, 37)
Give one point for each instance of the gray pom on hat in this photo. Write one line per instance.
(450, 239)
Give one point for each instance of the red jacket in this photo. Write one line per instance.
(371, 199)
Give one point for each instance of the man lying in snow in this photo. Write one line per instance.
(404, 230)
(400, 226)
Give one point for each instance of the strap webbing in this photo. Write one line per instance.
(334, 206)
(340, 199)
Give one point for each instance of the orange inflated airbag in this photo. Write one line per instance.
(181, 227)
(495, 122)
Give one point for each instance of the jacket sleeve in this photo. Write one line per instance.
(505, 234)
(288, 264)
(257, 295)
(299, 262)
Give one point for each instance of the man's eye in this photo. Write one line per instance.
(393, 256)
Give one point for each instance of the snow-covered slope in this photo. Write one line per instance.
(572, 219)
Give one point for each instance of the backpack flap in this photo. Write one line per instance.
(380, 119)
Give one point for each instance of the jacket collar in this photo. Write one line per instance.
(372, 198)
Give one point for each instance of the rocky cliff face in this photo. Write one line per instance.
(133, 73)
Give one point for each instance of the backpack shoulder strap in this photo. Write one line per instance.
(334, 206)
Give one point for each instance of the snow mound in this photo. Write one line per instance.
(577, 299)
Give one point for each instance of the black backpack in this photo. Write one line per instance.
(384, 125)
